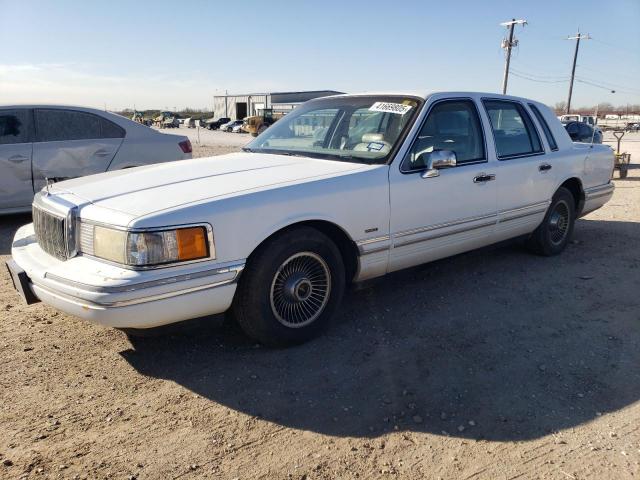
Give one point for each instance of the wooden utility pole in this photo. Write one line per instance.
(507, 44)
(577, 38)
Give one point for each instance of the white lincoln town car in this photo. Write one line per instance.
(343, 189)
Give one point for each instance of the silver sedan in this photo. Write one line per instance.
(40, 143)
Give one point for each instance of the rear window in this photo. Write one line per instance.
(58, 125)
(545, 127)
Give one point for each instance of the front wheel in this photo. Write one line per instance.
(554, 233)
(291, 288)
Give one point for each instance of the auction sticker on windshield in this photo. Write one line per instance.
(389, 107)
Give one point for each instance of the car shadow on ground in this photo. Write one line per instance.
(496, 344)
(9, 225)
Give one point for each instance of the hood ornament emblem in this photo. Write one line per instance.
(48, 183)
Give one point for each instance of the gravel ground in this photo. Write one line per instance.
(495, 364)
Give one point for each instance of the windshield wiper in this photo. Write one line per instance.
(247, 149)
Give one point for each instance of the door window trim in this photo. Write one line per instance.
(405, 171)
(495, 145)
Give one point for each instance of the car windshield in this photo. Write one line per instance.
(348, 128)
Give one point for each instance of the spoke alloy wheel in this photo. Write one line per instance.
(559, 223)
(300, 289)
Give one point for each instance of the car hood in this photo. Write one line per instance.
(145, 190)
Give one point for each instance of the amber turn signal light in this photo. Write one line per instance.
(192, 243)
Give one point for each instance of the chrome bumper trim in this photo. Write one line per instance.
(599, 191)
(237, 268)
(137, 301)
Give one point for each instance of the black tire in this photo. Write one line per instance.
(624, 170)
(280, 298)
(553, 234)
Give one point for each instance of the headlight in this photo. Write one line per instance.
(146, 248)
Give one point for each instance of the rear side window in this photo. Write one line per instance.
(57, 125)
(545, 127)
(513, 129)
(14, 126)
(110, 129)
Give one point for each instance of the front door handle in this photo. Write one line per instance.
(545, 167)
(102, 153)
(18, 158)
(484, 177)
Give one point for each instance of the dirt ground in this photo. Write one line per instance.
(496, 364)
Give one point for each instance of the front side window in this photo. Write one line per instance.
(14, 126)
(354, 129)
(451, 125)
(513, 129)
(57, 125)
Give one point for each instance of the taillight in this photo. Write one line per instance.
(185, 145)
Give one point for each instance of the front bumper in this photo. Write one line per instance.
(118, 297)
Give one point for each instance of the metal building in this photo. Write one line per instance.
(238, 107)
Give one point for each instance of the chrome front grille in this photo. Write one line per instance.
(51, 233)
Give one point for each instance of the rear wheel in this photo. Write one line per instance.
(291, 288)
(553, 234)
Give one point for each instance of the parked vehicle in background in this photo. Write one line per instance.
(166, 120)
(342, 189)
(40, 142)
(170, 122)
(588, 119)
(632, 127)
(189, 123)
(259, 123)
(583, 132)
(239, 128)
(228, 127)
(212, 124)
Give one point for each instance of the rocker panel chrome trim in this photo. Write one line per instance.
(443, 234)
(438, 226)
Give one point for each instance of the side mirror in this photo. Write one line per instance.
(437, 160)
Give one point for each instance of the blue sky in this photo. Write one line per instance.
(180, 53)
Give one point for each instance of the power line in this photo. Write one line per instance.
(546, 78)
(613, 85)
(605, 87)
(617, 47)
(516, 74)
(540, 75)
(617, 73)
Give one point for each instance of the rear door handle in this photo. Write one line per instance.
(484, 177)
(18, 158)
(102, 153)
(544, 167)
